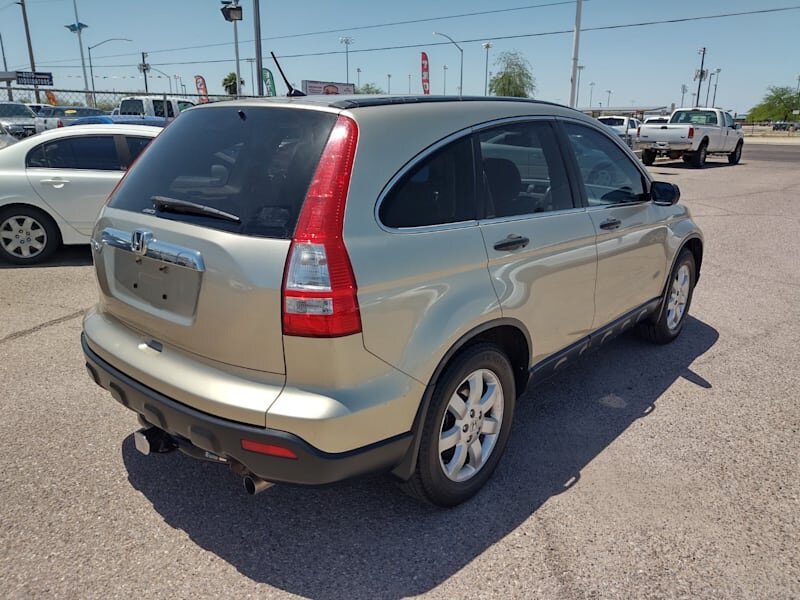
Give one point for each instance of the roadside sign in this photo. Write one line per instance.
(796, 111)
(37, 78)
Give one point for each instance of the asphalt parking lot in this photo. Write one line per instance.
(642, 472)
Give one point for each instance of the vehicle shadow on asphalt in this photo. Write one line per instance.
(366, 539)
(679, 164)
(66, 256)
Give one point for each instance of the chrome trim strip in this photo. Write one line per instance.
(163, 251)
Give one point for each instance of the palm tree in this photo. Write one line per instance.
(229, 84)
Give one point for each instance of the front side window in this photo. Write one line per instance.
(438, 190)
(728, 120)
(523, 170)
(97, 153)
(609, 175)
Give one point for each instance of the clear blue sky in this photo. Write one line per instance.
(642, 65)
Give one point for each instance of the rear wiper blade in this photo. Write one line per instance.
(191, 208)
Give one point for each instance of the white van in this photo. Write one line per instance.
(153, 106)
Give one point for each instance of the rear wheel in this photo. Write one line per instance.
(735, 156)
(699, 157)
(648, 157)
(27, 235)
(675, 306)
(466, 427)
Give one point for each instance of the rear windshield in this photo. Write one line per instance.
(254, 163)
(612, 121)
(694, 117)
(131, 107)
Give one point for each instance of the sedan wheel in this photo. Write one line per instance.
(27, 236)
(679, 297)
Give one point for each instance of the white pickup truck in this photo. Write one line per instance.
(692, 134)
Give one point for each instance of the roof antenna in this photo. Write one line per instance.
(292, 92)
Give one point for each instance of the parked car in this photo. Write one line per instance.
(154, 106)
(35, 107)
(693, 134)
(18, 119)
(6, 139)
(52, 117)
(624, 126)
(52, 185)
(784, 126)
(121, 120)
(283, 292)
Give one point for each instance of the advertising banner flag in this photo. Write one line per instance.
(200, 84)
(269, 82)
(426, 74)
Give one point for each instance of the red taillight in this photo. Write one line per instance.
(638, 131)
(691, 132)
(319, 287)
(268, 449)
(59, 123)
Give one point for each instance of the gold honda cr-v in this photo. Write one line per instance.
(311, 289)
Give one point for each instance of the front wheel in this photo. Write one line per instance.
(648, 157)
(735, 156)
(675, 306)
(27, 235)
(699, 157)
(466, 427)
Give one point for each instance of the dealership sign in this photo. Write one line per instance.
(326, 87)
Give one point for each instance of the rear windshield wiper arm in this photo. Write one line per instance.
(191, 208)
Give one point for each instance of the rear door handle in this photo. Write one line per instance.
(610, 224)
(56, 183)
(512, 242)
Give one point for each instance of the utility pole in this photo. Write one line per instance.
(5, 68)
(684, 89)
(144, 68)
(716, 81)
(578, 87)
(486, 46)
(30, 46)
(77, 28)
(702, 53)
(591, 92)
(576, 43)
(259, 64)
(389, 83)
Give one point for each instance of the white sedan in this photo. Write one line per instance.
(53, 184)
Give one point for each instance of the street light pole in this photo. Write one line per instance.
(578, 87)
(486, 46)
(608, 100)
(358, 77)
(77, 27)
(259, 66)
(444, 86)
(708, 89)
(30, 45)
(346, 40)
(252, 77)
(684, 89)
(91, 69)
(409, 84)
(169, 79)
(389, 83)
(716, 81)
(233, 12)
(576, 43)
(5, 68)
(591, 92)
(461, 75)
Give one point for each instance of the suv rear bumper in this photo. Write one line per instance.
(223, 437)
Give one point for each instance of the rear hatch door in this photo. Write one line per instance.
(191, 248)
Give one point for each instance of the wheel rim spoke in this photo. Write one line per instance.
(457, 406)
(476, 454)
(491, 426)
(457, 463)
(449, 438)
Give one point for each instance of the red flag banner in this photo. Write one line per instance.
(426, 75)
(200, 84)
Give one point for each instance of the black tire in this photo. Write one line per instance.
(699, 157)
(735, 156)
(687, 158)
(648, 157)
(430, 482)
(667, 324)
(27, 235)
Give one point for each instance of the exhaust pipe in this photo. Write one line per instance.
(253, 484)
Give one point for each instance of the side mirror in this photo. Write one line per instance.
(664, 193)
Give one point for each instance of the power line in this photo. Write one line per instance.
(339, 30)
(482, 38)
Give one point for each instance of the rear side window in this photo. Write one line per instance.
(158, 108)
(97, 153)
(254, 163)
(136, 145)
(438, 190)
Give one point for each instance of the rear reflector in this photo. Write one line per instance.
(268, 449)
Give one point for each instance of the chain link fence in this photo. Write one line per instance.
(104, 100)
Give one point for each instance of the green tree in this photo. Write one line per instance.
(513, 77)
(229, 84)
(777, 105)
(369, 88)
